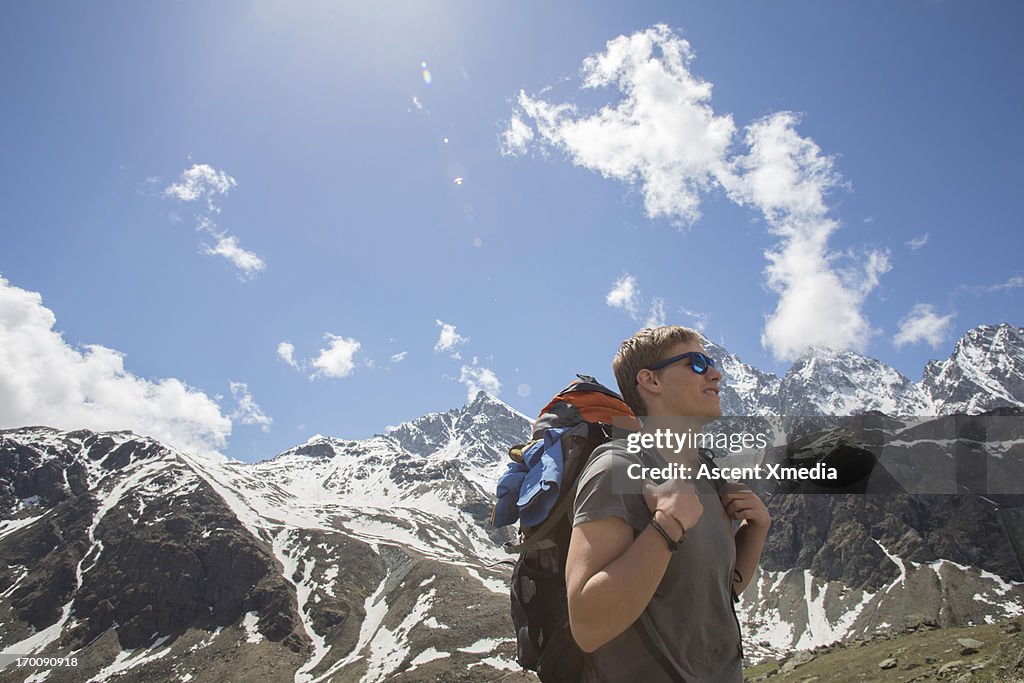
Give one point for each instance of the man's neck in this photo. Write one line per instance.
(674, 445)
(676, 436)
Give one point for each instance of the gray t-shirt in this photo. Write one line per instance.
(690, 619)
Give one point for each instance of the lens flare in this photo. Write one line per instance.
(426, 73)
(458, 181)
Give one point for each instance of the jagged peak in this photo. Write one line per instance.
(316, 446)
(818, 357)
(988, 334)
(482, 400)
(831, 353)
(984, 338)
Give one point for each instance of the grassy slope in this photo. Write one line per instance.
(920, 655)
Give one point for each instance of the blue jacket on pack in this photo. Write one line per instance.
(529, 489)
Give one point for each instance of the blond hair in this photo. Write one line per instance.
(643, 349)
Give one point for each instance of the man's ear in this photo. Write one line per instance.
(647, 379)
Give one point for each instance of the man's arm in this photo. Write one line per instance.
(610, 577)
(743, 504)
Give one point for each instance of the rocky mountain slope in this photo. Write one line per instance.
(337, 560)
(373, 560)
(985, 371)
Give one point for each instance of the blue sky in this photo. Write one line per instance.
(189, 185)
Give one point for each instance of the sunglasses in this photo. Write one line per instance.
(699, 362)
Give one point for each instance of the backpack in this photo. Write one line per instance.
(582, 416)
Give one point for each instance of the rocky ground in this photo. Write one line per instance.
(922, 652)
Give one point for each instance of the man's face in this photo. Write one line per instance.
(684, 393)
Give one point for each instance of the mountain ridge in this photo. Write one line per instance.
(362, 559)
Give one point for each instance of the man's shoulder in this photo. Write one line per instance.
(616, 448)
(614, 454)
(607, 489)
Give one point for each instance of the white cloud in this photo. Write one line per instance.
(918, 242)
(656, 318)
(416, 103)
(700, 320)
(200, 181)
(787, 177)
(449, 338)
(514, 141)
(624, 295)
(476, 379)
(923, 324)
(399, 357)
(46, 381)
(336, 359)
(869, 272)
(247, 411)
(286, 352)
(246, 261)
(664, 137)
(1012, 283)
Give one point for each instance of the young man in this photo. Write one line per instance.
(652, 568)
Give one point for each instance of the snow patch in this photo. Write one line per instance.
(482, 646)
(129, 659)
(250, 624)
(499, 663)
(819, 630)
(493, 585)
(428, 655)
(431, 622)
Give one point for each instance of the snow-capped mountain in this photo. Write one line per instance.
(985, 371)
(336, 560)
(745, 389)
(374, 560)
(829, 382)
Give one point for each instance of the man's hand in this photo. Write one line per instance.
(742, 503)
(676, 497)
